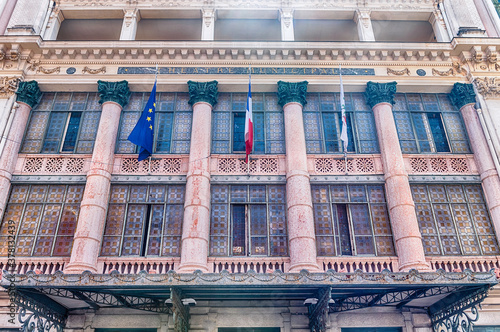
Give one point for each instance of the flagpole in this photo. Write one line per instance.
(343, 135)
(249, 80)
(156, 76)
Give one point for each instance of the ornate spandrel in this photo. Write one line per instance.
(117, 92)
(377, 93)
(29, 93)
(207, 92)
(462, 94)
(292, 92)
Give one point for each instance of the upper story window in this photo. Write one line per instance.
(144, 221)
(351, 220)
(63, 122)
(173, 123)
(429, 123)
(248, 220)
(454, 220)
(323, 124)
(90, 29)
(42, 218)
(228, 124)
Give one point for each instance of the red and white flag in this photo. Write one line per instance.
(343, 134)
(248, 123)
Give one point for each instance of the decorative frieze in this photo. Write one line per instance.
(405, 71)
(94, 71)
(8, 86)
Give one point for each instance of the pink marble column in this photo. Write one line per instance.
(6, 15)
(92, 218)
(28, 95)
(464, 98)
(196, 223)
(300, 217)
(406, 233)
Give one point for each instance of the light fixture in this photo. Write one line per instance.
(190, 302)
(310, 301)
(331, 302)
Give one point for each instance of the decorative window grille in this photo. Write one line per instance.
(323, 124)
(172, 123)
(63, 122)
(144, 221)
(42, 218)
(248, 220)
(351, 220)
(429, 123)
(454, 220)
(228, 124)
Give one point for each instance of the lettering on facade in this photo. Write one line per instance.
(302, 71)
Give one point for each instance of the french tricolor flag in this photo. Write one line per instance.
(249, 123)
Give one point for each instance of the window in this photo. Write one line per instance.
(248, 220)
(351, 220)
(429, 123)
(90, 29)
(173, 123)
(323, 124)
(144, 220)
(228, 124)
(454, 220)
(45, 218)
(63, 122)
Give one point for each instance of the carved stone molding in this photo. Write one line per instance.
(488, 87)
(462, 94)
(130, 16)
(8, 86)
(117, 92)
(448, 72)
(398, 72)
(44, 70)
(456, 69)
(207, 92)
(286, 16)
(94, 71)
(377, 93)
(33, 65)
(363, 16)
(208, 16)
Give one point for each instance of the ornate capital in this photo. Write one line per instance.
(377, 93)
(292, 92)
(203, 92)
(117, 92)
(488, 87)
(29, 93)
(8, 86)
(462, 94)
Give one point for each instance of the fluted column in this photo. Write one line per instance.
(92, 218)
(196, 223)
(300, 216)
(28, 96)
(406, 233)
(464, 98)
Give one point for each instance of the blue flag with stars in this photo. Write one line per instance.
(143, 132)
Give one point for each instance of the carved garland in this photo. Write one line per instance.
(8, 86)
(398, 72)
(94, 71)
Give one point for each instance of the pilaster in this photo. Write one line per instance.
(131, 18)
(92, 218)
(364, 23)
(196, 223)
(28, 96)
(406, 233)
(53, 24)
(286, 19)
(463, 97)
(439, 26)
(208, 25)
(300, 215)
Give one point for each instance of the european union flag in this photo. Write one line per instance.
(143, 132)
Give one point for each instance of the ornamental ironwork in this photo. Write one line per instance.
(35, 316)
(318, 312)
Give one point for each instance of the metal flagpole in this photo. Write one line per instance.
(249, 80)
(156, 76)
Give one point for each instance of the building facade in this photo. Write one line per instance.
(401, 233)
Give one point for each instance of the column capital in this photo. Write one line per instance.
(117, 92)
(380, 93)
(203, 92)
(289, 92)
(29, 93)
(462, 94)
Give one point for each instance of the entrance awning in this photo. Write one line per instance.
(445, 296)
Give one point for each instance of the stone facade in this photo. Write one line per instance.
(417, 189)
